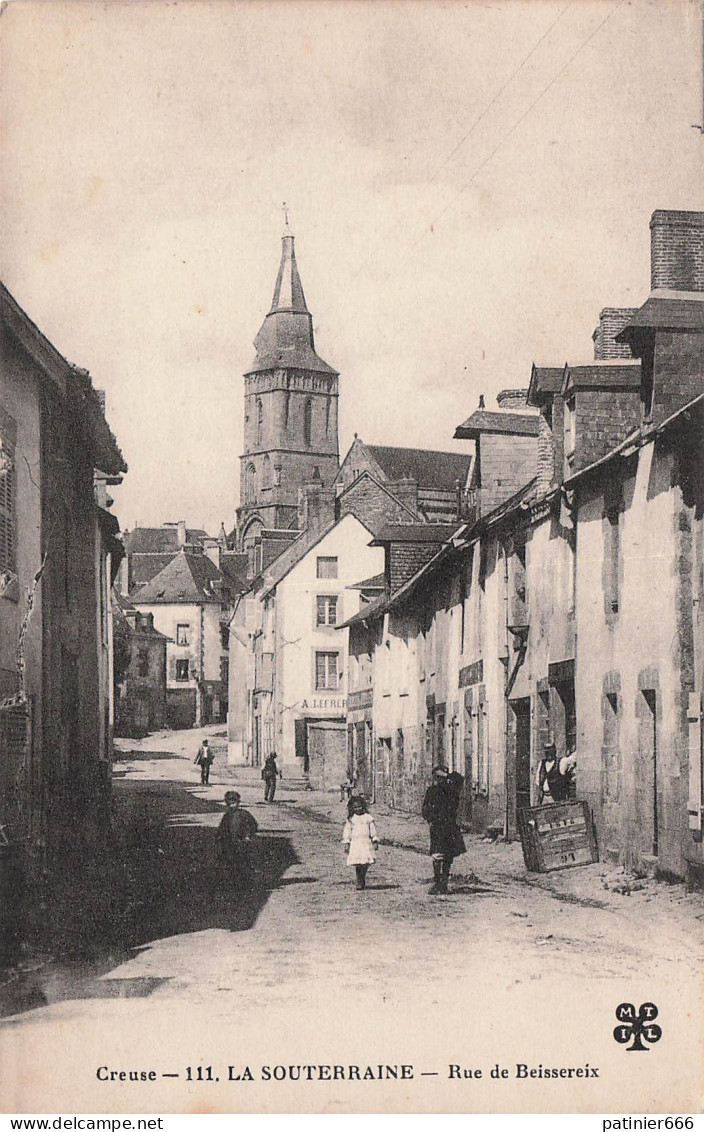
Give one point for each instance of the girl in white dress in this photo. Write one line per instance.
(360, 839)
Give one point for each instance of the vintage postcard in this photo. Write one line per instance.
(352, 557)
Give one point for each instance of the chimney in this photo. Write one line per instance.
(181, 526)
(611, 322)
(406, 491)
(316, 506)
(677, 250)
(513, 399)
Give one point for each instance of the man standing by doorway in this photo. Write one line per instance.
(270, 773)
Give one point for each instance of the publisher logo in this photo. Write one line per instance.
(637, 1025)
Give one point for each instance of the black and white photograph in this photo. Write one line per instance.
(352, 557)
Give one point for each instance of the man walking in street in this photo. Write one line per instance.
(236, 834)
(204, 759)
(440, 807)
(270, 773)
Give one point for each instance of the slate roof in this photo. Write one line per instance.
(235, 567)
(293, 554)
(544, 380)
(376, 583)
(159, 540)
(604, 375)
(511, 424)
(371, 610)
(415, 532)
(666, 313)
(144, 567)
(187, 579)
(428, 468)
(285, 339)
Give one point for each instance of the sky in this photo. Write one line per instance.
(469, 183)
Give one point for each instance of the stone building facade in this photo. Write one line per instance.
(568, 606)
(59, 552)
(140, 690)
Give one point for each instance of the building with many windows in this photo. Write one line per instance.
(296, 700)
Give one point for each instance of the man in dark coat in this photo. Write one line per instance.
(236, 834)
(270, 773)
(440, 807)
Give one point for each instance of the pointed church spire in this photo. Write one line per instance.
(286, 336)
(288, 292)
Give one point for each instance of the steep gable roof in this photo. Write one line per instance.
(159, 540)
(429, 468)
(188, 579)
(305, 542)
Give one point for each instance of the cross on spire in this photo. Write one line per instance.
(287, 229)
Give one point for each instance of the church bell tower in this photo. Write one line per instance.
(290, 411)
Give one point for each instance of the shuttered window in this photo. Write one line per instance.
(326, 677)
(8, 547)
(326, 567)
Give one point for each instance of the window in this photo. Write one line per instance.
(224, 635)
(182, 670)
(570, 428)
(326, 567)
(463, 603)
(224, 670)
(260, 423)
(8, 549)
(326, 675)
(326, 610)
(266, 472)
(183, 634)
(143, 662)
(250, 484)
(610, 753)
(308, 423)
(612, 557)
(287, 407)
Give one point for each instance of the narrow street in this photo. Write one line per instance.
(306, 968)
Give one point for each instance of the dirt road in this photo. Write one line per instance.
(189, 973)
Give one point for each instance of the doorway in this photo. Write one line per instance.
(647, 814)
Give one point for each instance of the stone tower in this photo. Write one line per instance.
(290, 411)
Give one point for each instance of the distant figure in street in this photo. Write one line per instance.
(440, 807)
(204, 759)
(554, 776)
(270, 772)
(236, 834)
(360, 840)
(347, 788)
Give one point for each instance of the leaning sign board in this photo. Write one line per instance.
(557, 836)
